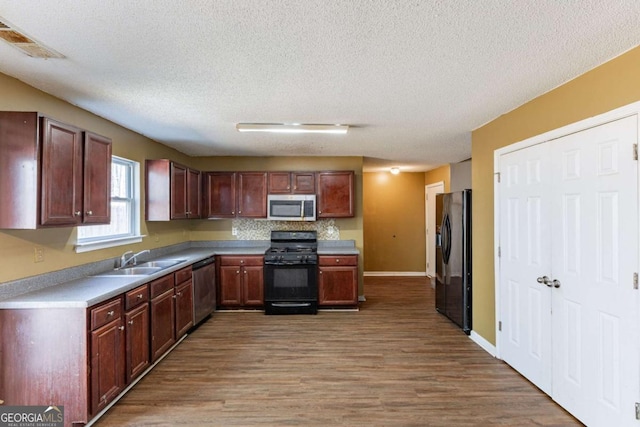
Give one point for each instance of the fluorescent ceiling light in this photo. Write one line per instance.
(291, 128)
(395, 171)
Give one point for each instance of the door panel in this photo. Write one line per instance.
(594, 257)
(525, 245)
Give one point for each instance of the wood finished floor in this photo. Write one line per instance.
(396, 362)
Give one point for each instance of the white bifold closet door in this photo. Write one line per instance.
(569, 252)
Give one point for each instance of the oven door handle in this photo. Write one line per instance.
(291, 304)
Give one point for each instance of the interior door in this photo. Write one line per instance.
(594, 255)
(430, 201)
(569, 252)
(525, 338)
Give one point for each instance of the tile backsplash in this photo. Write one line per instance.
(251, 229)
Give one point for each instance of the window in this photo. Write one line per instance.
(125, 210)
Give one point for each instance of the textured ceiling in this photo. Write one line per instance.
(413, 78)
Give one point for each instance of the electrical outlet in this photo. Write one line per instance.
(234, 231)
(38, 254)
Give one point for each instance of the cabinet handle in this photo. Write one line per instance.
(233, 212)
(110, 313)
(319, 212)
(288, 187)
(121, 328)
(139, 296)
(245, 272)
(130, 322)
(175, 296)
(337, 259)
(238, 272)
(77, 213)
(295, 187)
(179, 294)
(239, 212)
(89, 213)
(321, 272)
(241, 261)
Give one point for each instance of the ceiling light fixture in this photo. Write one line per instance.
(291, 128)
(394, 171)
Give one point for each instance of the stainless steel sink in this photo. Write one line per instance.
(161, 263)
(133, 271)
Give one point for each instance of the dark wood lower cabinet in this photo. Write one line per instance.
(163, 320)
(137, 341)
(241, 281)
(107, 364)
(184, 308)
(338, 280)
(83, 358)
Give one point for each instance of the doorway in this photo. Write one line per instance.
(430, 208)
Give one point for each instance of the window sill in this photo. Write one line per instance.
(110, 243)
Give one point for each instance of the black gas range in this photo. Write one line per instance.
(291, 273)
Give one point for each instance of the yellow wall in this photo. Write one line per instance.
(17, 246)
(394, 222)
(443, 173)
(604, 88)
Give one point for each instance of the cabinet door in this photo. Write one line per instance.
(61, 196)
(303, 182)
(335, 197)
(230, 292)
(252, 194)
(279, 182)
(137, 341)
(107, 364)
(163, 320)
(194, 193)
(184, 308)
(338, 286)
(220, 194)
(178, 191)
(253, 285)
(97, 179)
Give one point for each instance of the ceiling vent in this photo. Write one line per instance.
(25, 44)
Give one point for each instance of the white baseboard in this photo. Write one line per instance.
(396, 273)
(486, 345)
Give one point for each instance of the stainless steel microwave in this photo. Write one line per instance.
(291, 207)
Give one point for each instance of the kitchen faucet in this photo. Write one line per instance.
(124, 261)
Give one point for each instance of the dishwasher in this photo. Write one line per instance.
(204, 289)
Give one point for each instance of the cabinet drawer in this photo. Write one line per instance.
(183, 275)
(241, 260)
(136, 297)
(161, 285)
(105, 313)
(328, 260)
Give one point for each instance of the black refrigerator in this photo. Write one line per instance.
(453, 257)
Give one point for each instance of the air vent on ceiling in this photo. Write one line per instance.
(25, 44)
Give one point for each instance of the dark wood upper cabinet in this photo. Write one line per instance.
(62, 191)
(235, 194)
(172, 191)
(97, 179)
(252, 194)
(51, 173)
(292, 182)
(219, 194)
(335, 194)
(194, 192)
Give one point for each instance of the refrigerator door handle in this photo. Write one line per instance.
(446, 239)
